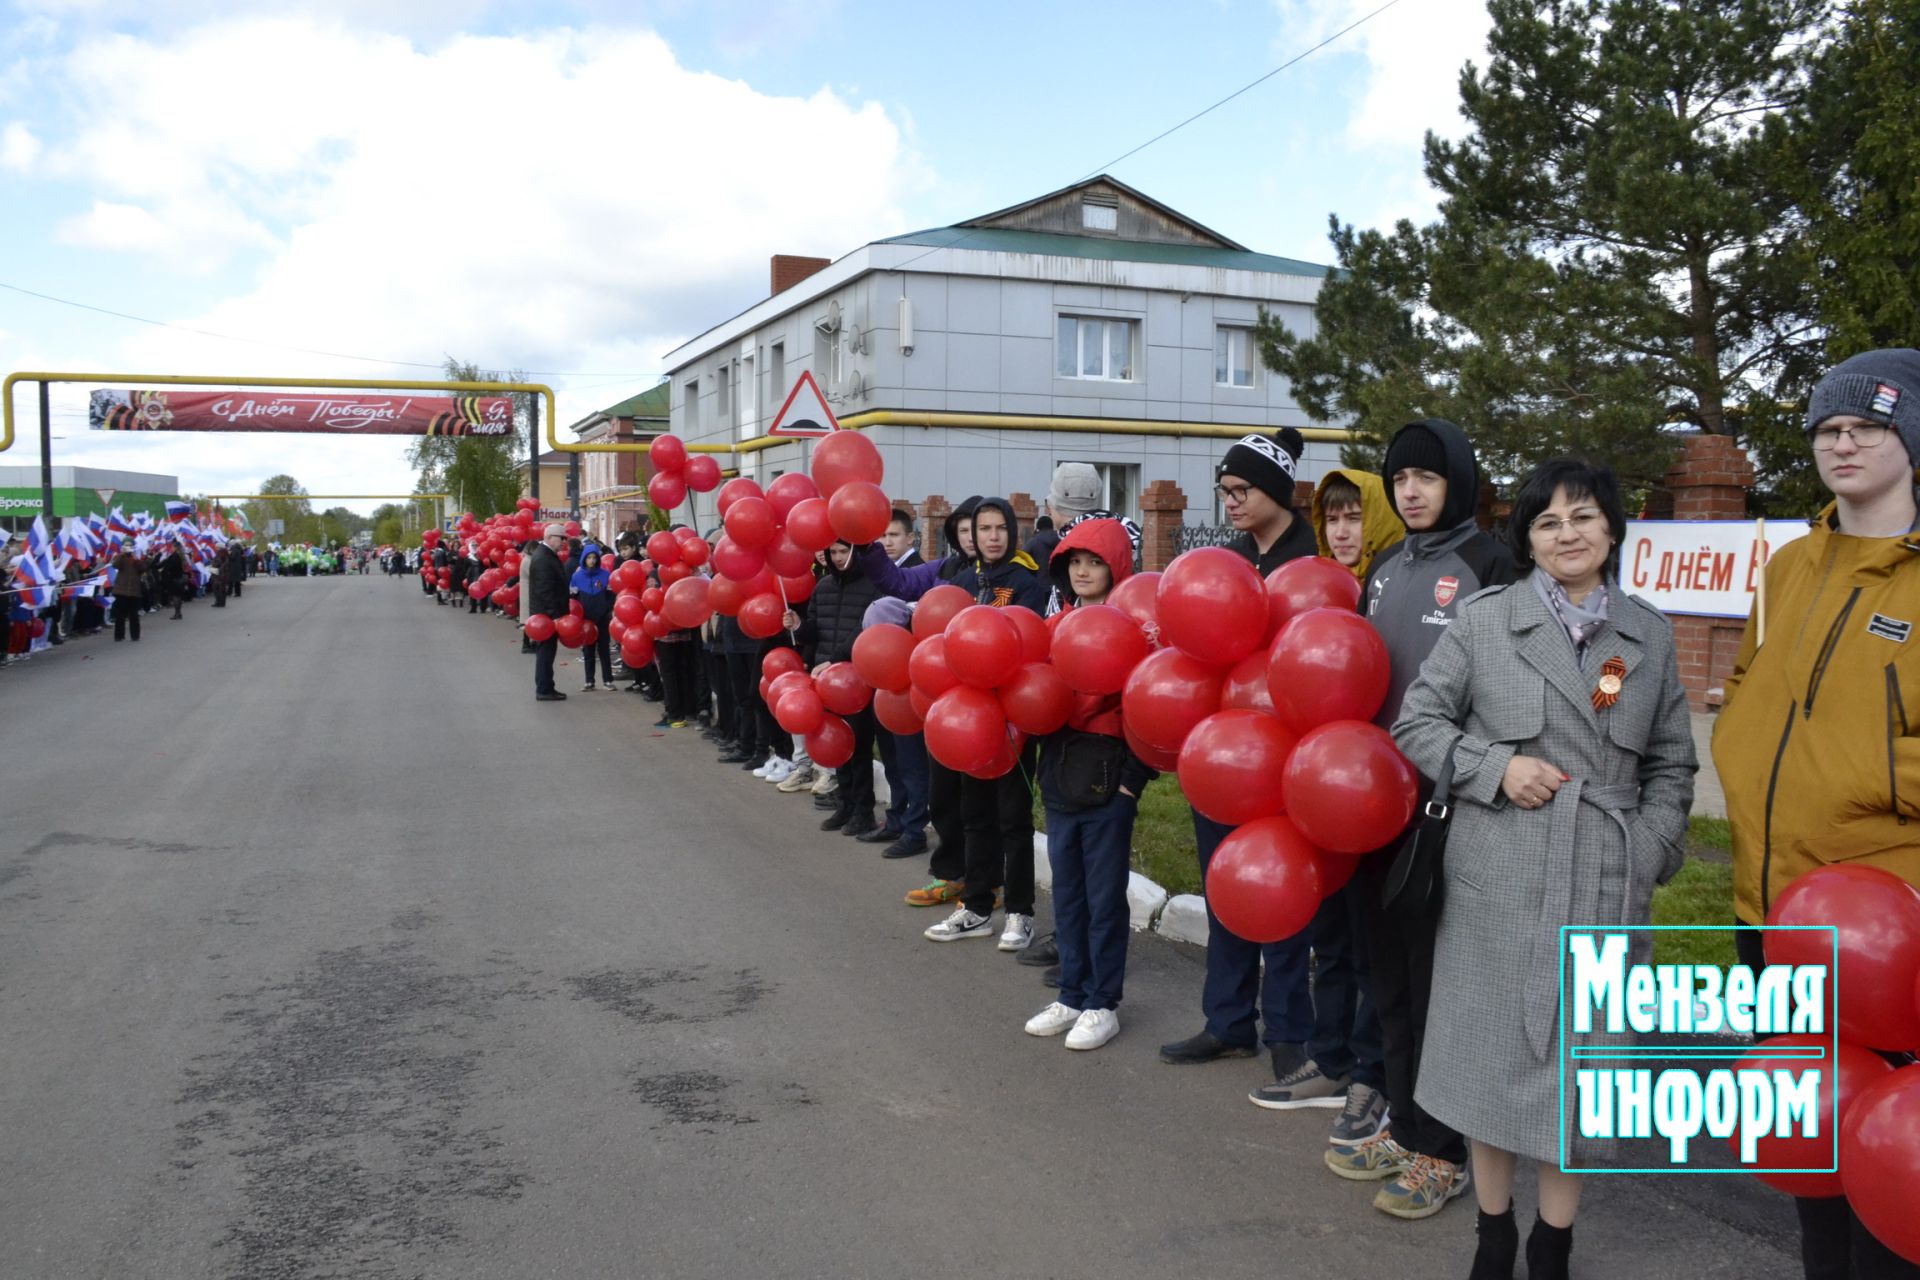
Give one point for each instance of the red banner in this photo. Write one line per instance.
(113, 409)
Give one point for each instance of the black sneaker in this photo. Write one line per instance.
(1051, 978)
(840, 818)
(1041, 954)
(860, 825)
(1303, 1085)
(1204, 1047)
(879, 834)
(906, 847)
(831, 800)
(555, 696)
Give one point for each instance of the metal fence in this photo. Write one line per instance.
(1189, 536)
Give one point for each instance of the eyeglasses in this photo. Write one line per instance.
(1864, 436)
(1234, 493)
(1583, 522)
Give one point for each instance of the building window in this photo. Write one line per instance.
(1120, 487)
(722, 377)
(1095, 348)
(777, 372)
(748, 401)
(1233, 357)
(693, 404)
(1100, 213)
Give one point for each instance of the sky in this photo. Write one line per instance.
(362, 188)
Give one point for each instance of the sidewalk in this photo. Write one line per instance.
(1708, 800)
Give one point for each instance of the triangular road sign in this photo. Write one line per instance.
(106, 496)
(805, 413)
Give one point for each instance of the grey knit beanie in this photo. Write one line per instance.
(1880, 386)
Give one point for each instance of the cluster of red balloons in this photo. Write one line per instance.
(1875, 917)
(1258, 694)
(496, 541)
(675, 472)
(812, 707)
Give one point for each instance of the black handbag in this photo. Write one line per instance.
(1087, 768)
(1415, 882)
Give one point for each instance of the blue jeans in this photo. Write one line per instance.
(1346, 1030)
(1235, 976)
(1089, 853)
(904, 760)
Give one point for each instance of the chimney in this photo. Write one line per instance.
(789, 269)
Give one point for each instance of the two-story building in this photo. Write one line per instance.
(613, 485)
(1091, 324)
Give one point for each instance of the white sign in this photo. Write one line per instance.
(1703, 567)
(805, 413)
(105, 496)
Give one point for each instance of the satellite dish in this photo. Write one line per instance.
(832, 324)
(856, 386)
(856, 338)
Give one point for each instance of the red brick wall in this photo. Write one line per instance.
(1708, 482)
(789, 270)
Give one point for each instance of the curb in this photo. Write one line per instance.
(1181, 917)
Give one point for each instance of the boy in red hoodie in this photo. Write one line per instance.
(1091, 784)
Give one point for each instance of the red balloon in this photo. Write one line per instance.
(1212, 604)
(808, 525)
(894, 710)
(1097, 647)
(798, 589)
(672, 573)
(778, 662)
(759, 617)
(919, 703)
(656, 626)
(663, 549)
(1877, 915)
(799, 711)
(786, 491)
(667, 454)
(726, 595)
(1880, 1159)
(570, 629)
(1859, 1070)
(965, 729)
(1135, 597)
(830, 745)
(1262, 882)
(1327, 664)
(694, 550)
(667, 490)
(785, 683)
(1348, 788)
(846, 457)
(788, 558)
(1036, 700)
(735, 489)
(841, 689)
(653, 599)
(636, 650)
(511, 562)
(936, 609)
(928, 667)
(1308, 582)
(628, 608)
(616, 631)
(1246, 684)
(750, 523)
(1035, 639)
(1168, 694)
(1154, 757)
(508, 598)
(589, 632)
(880, 655)
(702, 474)
(1334, 870)
(575, 608)
(859, 512)
(731, 560)
(686, 603)
(475, 590)
(982, 647)
(573, 528)
(1230, 766)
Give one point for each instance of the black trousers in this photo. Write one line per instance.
(743, 673)
(1400, 972)
(998, 817)
(126, 614)
(856, 775)
(726, 708)
(1834, 1244)
(543, 654)
(943, 812)
(677, 662)
(601, 649)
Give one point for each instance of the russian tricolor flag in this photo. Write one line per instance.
(177, 511)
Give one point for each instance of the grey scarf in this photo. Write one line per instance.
(1580, 621)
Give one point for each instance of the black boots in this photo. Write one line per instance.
(1499, 1246)
(1549, 1250)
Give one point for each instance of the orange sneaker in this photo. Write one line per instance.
(936, 893)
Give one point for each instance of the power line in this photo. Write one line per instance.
(282, 346)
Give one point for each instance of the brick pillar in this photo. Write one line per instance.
(1025, 513)
(1303, 496)
(1163, 509)
(933, 514)
(1709, 481)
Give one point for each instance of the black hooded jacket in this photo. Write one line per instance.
(1013, 579)
(832, 624)
(957, 560)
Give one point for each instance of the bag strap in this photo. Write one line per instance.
(1440, 804)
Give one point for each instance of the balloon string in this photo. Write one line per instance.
(793, 637)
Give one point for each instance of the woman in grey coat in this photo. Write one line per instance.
(1561, 701)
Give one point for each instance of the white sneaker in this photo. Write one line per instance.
(961, 924)
(780, 770)
(1095, 1028)
(766, 768)
(824, 782)
(1018, 935)
(801, 779)
(1052, 1020)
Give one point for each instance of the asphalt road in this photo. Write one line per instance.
(325, 951)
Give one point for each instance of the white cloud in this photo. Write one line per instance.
(18, 148)
(557, 200)
(1414, 53)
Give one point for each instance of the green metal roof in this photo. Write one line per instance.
(655, 402)
(1002, 240)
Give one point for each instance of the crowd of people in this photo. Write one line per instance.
(1520, 671)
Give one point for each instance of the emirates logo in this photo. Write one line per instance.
(1445, 590)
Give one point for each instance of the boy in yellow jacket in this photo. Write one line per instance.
(1818, 746)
